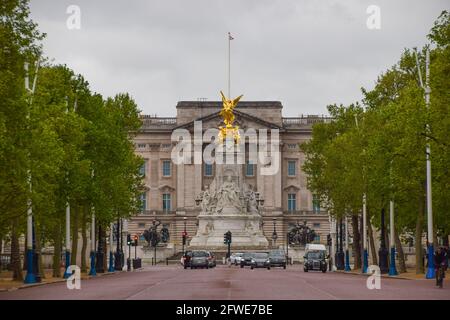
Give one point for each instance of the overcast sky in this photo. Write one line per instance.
(306, 54)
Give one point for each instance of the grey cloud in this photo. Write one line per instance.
(305, 53)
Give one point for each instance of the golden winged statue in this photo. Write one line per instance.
(228, 118)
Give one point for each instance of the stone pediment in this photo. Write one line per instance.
(242, 119)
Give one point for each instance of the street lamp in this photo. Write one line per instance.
(184, 234)
(111, 255)
(92, 271)
(340, 252)
(274, 234)
(347, 256)
(392, 268)
(430, 272)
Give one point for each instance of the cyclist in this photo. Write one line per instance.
(440, 264)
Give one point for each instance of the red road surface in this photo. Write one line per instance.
(173, 282)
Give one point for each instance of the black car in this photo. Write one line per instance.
(277, 259)
(246, 259)
(200, 259)
(260, 260)
(315, 260)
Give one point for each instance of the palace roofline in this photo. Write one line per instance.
(218, 104)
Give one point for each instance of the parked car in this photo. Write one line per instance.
(200, 259)
(235, 258)
(186, 259)
(211, 260)
(277, 258)
(260, 260)
(315, 260)
(246, 259)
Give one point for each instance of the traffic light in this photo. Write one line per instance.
(135, 241)
(129, 239)
(184, 235)
(227, 237)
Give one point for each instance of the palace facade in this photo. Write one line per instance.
(171, 189)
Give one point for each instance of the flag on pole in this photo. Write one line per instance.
(230, 37)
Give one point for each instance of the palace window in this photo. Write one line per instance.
(316, 204)
(143, 199)
(317, 238)
(166, 201)
(166, 168)
(141, 145)
(292, 202)
(291, 168)
(249, 169)
(142, 169)
(208, 170)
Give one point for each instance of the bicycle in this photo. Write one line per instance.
(440, 275)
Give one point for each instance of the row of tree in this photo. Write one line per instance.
(377, 148)
(60, 144)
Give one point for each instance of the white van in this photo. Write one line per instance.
(315, 247)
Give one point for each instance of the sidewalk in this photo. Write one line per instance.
(409, 275)
(8, 284)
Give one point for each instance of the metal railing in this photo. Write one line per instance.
(152, 121)
(306, 120)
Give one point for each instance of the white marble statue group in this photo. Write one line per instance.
(213, 201)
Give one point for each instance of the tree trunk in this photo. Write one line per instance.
(74, 251)
(356, 242)
(418, 242)
(57, 248)
(85, 241)
(24, 264)
(373, 251)
(105, 250)
(401, 255)
(15, 252)
(1, 249)
(37, 236)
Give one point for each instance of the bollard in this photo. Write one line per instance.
(167, 261)
(223, 260)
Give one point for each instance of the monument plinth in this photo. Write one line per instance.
(228, 204)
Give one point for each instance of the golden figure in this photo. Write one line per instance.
(228, 118)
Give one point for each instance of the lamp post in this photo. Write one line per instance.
(392, 268)
(430, 272)
(347, 256)
(340, 252)
(287, 247)
(364, 226)
(365, 263)
(155, 238)
(333, 243)
(92, 271)
(125, 252)
(274, 234)
(111, 255)
(184, 234)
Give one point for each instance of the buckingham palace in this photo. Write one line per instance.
(171, 189)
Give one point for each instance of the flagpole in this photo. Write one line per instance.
(229, 65)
